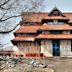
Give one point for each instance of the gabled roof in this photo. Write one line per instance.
(55, 11)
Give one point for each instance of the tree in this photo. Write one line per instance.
(10, 11)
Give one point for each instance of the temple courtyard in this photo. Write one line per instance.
(60, 64)
(54, 64)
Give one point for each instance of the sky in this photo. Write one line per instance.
(62, 5)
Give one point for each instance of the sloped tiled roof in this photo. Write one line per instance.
(43, 36)
(28, 29)
(34, 29)
(56, 17)
(69, 15)
(54, 36)
(56, 27)
(38, 16)
(22, 38)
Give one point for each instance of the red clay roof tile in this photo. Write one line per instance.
(28, 29)
(54, 36)
(22, 38)
(34, 29)
(38, 16)
(56, 27)
(56, 17)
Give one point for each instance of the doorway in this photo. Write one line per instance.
(56, 47)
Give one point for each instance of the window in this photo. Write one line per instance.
(55, 22)
(55, 13)
(45, 32)
(50, 23)
(55, 32)
(31, 23)
(60, 23)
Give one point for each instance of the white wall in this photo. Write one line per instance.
(65, 48)
(46, 47)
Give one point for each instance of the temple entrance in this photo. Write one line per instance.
(56, 47)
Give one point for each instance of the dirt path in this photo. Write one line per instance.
(57, 64)
(60, 64)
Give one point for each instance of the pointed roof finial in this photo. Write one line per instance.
(55, 7)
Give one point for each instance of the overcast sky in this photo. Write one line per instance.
(63, 5)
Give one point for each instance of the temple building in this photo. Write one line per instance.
(45, 34)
